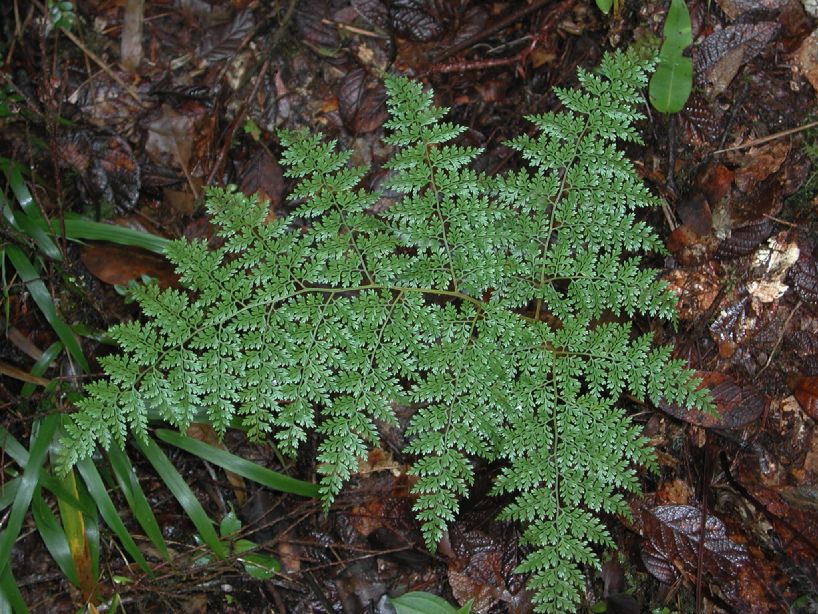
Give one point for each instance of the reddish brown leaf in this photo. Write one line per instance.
(263, 176)
(672, 536)
(414, 20)
(361, 102)
(715, 182)
(744, 239)
(804, 277)
(720, 56)
(758, 163)
(806, 393)
(737, 406)
(223, 41)
(114, 264)
(106, 164)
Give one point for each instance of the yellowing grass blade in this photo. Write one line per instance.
(98, 492)
(53, 536)
(76, 533)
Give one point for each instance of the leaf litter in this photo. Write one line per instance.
(742, 259)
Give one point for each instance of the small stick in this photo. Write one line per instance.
(769, 138)
(105, 68)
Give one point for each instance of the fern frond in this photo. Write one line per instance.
(497, 308)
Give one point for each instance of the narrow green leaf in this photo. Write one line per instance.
(31, 475)
(671, 84)
(183, 494)
(41, 296)
(13, 448)
(10, 598)
(82, 229)
(129, 485)
(41, 366)
(8, 491)
(53, 536)
(96, 488)
(246, 469)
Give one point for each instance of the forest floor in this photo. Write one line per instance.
(131, 128)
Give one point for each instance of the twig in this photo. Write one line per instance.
(105, 68)
(231, 129)
(768, 138)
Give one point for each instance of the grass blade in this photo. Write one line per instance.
(10, 598)
(74, 523)
(44, 301)
(79, 229)
(96, 488)
(129, 485)
(28, 483)
(33, 218)
(41, 366)
(7, 493)
(183, 494)
(53, 536)
(13, 448)
(246, 469)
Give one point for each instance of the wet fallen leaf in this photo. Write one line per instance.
(263, 176)
(106, 164)
(415, 20)
(117, 265)
(804, 277)
(221, 42)
(361, 101)
(721, 55)
(758, 163)
(744, 239)
(672, 537)
(736, 406)
(806, 393)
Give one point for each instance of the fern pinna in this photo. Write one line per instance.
(497, 307)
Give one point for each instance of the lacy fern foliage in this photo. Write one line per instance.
(496, 307)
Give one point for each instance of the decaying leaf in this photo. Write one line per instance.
(737, 406)
(672, 537)
(361, 102)
(106, 164)
(720, 56)
(221, 42)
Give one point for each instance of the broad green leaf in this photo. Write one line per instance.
(671, 84)
(425, 603)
